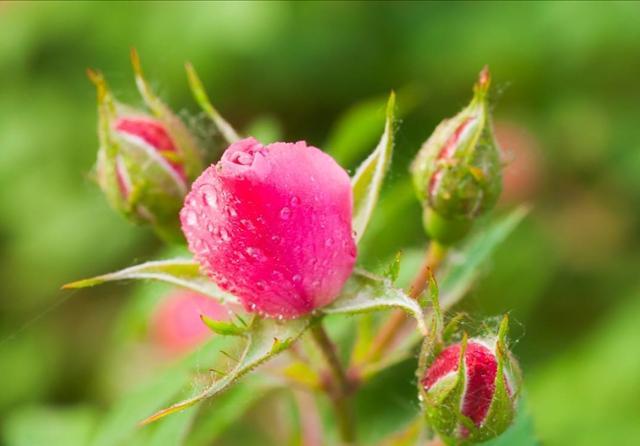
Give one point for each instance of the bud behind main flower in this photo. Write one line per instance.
(141, 167)
(457, 173)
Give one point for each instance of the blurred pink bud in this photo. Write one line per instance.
(176, 324)
(522, 172)
(272, 225)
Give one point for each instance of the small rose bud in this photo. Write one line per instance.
(469, 391)
(272, 225)
(141, 167)
(457, 173)
(176, 325)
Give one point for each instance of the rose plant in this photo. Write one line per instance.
(273, 230)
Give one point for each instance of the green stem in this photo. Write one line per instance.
(340, 394)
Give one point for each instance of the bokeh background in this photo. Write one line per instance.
(566, 109)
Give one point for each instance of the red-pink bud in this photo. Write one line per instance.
(272, 225)
(176, 325)
(472, 393)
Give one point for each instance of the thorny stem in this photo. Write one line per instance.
(432, 260)
(340, 395)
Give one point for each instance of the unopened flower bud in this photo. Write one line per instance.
(272, 225)
(469, 391)
(141, 166)
(457, 173)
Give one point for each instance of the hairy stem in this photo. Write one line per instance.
(339, 395)
(387, 334)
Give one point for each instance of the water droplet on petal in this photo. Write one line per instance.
(247, 224)
(328, 242)
(295, 201)
(232, 212)
(255, 253)
(210, 198)
(192, 218)
(297, 278)
(285, 213)
(224, 235)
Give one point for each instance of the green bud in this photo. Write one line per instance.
(146, 161)
(458, 174)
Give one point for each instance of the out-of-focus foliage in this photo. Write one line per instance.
(566, 77)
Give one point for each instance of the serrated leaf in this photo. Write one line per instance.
(182, 272)
(201, 97)
(265, 339)
(367, 181)
(365, 292)
(459, 276)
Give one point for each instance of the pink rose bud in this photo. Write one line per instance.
(479, 393)
(272, 225)
(176, 324)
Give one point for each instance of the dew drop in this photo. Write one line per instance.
(275, 238)
(262, 285)
(210, 228)
(210, 198)
(285, 213)
(255, 253)
(247, 224)
(328, 242)
(297, 278)
(232, 212)
(294, 201)
(192, 218)
(224, 235)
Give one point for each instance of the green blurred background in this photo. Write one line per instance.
(567, 107)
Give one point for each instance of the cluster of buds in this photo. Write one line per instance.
(469, 389)
(457, 173)
(146, 161)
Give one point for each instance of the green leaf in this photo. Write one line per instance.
(39, 425)
(365, 292)
(182, 272)
(203, 100)
(265, 339)
(458, 277)
(120, 425)
(367, 181)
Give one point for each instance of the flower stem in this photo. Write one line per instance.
(432, 260)
(339, 395)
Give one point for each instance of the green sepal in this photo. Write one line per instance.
(393, 269)
(201, 97)
(365, 292)
(190, 154)
(224, 328)
(442, 403)
(503, 406)
(367, 181)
